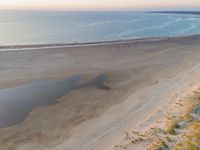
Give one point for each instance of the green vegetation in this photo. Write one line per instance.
(160, 145)
(168, 139)
(173, 125)
(187, 117)
(191, 139)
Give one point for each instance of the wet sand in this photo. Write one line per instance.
(122, 85)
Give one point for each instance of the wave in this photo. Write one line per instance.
(165, 24)
(188, 29)
(193, 24)
(135, 20)
(97, 23)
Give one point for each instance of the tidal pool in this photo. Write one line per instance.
(17, 102)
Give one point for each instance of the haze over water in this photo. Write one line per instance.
(49, 27)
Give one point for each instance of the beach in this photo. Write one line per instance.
(94, 96)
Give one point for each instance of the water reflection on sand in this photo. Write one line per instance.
(17, 102)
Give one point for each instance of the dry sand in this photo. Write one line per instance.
(143, 80)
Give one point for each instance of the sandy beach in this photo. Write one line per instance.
(100, 96)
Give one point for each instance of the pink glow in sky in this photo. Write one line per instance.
(98, 4)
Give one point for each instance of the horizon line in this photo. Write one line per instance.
(107, 10)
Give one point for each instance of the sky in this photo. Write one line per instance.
(100, 4)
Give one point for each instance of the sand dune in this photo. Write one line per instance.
(125, 89)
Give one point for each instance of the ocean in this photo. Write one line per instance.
(51, 27)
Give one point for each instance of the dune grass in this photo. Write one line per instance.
(191, 139)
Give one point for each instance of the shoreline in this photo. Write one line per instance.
(5, 48)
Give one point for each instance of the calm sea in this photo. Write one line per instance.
(40, 27)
